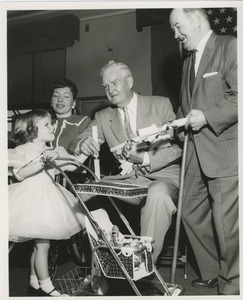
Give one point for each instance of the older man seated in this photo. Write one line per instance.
(156, 168)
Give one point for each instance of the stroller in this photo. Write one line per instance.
(114, 255)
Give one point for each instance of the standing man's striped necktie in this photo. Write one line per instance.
(192, 70)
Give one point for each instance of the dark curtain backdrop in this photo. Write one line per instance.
(51, 30)
(166, 63)
(37, 57)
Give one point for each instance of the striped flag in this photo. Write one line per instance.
(223, 20)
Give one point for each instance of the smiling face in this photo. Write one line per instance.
(45, 130)
(186, 27)
(118, 86)
(62, 101)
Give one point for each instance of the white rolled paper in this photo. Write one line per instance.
(96, 157)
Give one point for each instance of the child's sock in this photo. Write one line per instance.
(47, 286)
(34, 282)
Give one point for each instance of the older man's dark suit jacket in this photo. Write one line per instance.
(150, 110)
(215, 94)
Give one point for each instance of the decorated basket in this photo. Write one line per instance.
(114, 189)
(133, 251)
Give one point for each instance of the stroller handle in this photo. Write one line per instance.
(76, 162)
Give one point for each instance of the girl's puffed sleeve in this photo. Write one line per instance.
(16, 160)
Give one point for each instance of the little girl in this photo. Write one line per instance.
(39, 208)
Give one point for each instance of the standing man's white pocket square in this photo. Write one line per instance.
(209, 74)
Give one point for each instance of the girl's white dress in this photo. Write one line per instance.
(38, 206)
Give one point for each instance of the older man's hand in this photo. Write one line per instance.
(89, 146)
(136, 156)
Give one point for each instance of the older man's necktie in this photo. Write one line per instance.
(192, 70)
(127, 125)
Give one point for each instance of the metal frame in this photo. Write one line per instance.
(98, 230)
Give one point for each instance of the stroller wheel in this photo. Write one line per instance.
(100, 285)
(175, 289)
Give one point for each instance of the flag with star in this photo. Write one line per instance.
(223, 20)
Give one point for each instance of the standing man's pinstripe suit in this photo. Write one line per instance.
(210, 202)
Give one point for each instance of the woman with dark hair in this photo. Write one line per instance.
(68, 125)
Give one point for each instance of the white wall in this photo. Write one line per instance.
(90, 54)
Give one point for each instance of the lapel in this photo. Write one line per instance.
(116, 125)
(141, 112)
(205, 60)
(143, 109)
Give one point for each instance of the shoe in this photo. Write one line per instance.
(34, 292)
(205, 284)
(44, 294)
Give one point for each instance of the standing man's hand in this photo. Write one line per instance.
(196, 120)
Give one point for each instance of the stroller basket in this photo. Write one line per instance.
(133, 251)
(75, 283)
(138, 264)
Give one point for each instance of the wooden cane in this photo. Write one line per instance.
(178, 218)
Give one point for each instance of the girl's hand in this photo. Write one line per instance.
(52, 156)
(63, 152)
(56, 153)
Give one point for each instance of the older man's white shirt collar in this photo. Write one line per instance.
(132, 106)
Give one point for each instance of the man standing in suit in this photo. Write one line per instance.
(209, 99)
(157, 168)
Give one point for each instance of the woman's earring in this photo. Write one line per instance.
(74, 107)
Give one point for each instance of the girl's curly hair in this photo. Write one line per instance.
(25, 129)
(19, 135)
